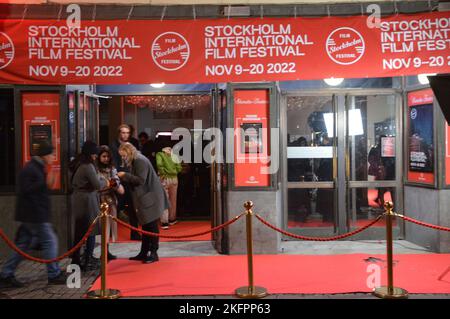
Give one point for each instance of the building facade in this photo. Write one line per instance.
(334, 150)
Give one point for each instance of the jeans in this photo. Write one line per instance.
(24, 238)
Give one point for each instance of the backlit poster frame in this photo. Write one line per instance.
(421, 169)
(244, 173)
(41, 120)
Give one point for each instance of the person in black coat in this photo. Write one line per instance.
(147, 148)
(33, 213)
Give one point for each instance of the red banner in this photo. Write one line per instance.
(447, 154)
(40, 112)
(222, 50)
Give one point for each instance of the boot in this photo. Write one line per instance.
(153, 257)
(90, 263)
(111, 256)
(141, 256)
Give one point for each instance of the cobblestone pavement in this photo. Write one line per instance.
(34, 275)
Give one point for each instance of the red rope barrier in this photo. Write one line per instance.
(418, 222)
(318, 238)
(48, 261)
(231, 221)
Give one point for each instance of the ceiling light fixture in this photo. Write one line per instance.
(158, 85)
(423, 78)
(333, 81)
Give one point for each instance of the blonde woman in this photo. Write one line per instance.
(148, 197)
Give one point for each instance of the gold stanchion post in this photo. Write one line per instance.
(250, 291)
(104, 293)
(389, 291)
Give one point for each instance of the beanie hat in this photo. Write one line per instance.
(89, 148)
(42, 148)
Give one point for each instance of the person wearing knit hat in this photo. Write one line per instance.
(33, 212)
(42, 148)
(89, 148)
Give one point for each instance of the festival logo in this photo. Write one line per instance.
(6, 50)
(345, 46)
(170, 51)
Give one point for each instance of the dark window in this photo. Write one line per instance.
(7, 135)
(182, 114)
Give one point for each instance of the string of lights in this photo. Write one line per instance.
(168, 103)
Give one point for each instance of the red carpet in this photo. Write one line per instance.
(182, 228)
(221, 275)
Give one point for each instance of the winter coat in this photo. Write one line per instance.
(147, 193)
(86, 183)
(33, 200)
(167, 167)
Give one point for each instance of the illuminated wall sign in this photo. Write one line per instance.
(252, 149)
(40, 115)
(421, 147)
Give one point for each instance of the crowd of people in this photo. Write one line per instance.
(122, 175)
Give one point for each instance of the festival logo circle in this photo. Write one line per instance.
(345, 46)
(170, 51)
(6, 50)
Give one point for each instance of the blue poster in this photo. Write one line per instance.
(421, 148)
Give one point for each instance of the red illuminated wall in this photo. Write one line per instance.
(40, 115)
(251, 109)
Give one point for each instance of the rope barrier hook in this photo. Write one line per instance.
(389, 291)
(250, 291)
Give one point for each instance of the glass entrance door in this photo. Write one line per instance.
(342, 161)
(373, 153)
(310, 140)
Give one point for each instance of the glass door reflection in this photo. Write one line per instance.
(372, 154)
(311, 142)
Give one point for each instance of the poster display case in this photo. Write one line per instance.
(420, 138)
(253, 122)
(41, 121)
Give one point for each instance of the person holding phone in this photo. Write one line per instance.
(148, 196)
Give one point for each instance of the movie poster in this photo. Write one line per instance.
(40, 116)
(252, 151)
(420, 137)
(388, 146)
